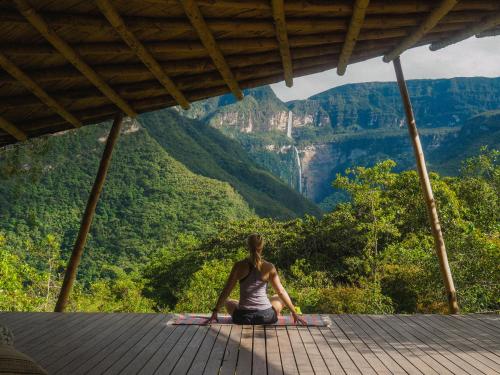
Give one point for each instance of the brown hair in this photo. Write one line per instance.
(255, 243)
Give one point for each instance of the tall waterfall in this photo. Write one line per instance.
(289, 125)
(299, 167)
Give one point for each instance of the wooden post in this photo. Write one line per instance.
(427, 190)
(76, 255)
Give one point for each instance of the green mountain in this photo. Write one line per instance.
(307, 142)
(149, 197)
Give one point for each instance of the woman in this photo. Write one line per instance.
(253, 274)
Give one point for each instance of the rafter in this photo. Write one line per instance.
(12, 129)
(32, 86)
(146, 57)
(71, 55)
(430, 21)
(357, 19)
(282, 36)
(196, 18)
(485, 24)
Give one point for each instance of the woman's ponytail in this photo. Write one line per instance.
(255, 243)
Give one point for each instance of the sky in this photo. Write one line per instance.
(471, 58)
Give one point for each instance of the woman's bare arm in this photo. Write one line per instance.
(282, 293)
(228, 288)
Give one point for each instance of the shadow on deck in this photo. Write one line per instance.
(84, 343)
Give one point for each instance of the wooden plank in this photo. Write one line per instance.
(89, 349)
(363, 365)
(120, 364)
(399, 344)
(390, 365)
(315, 357)
(71, 339)
(482, 328)
(259, 365)
(299, 351)
(286, 351)
(119, 348)
(426, 353)
(360, 345)
(441, 10)
(20, 320)
(391, 350)
(35, 328)
(491, 320)
(348, 365)
(478, 350)
(175, 354)
(144, 356)
(273, 356)
(282, 37)
(355, 25)
(215, 361)
(141, 51)
(466, 363)
(231, 353)
(201, 359)
(71, 55)
(196, 18)
(244, 364)
(329, 357)
(167, 346)
(186, 360)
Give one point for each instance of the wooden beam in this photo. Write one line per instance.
(282, 36)
(488, 33)
(357, 19)
(486, 24)
(12, 129)
(71, 55)
(146, 57)
(429, 23)
(427, 191)
(196, 18)
(76, 255)
(32, 86)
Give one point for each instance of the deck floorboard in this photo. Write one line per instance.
(122, 343)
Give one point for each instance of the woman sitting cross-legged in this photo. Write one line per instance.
(253, 274)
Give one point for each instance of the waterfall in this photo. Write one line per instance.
(299, 167)
(289, 125)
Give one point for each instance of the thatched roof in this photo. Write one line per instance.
(68, 63)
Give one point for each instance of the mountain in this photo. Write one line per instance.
(207, 152)
(307, 142)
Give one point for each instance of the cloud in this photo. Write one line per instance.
(470, 58)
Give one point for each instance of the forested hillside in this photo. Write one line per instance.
(354, 124)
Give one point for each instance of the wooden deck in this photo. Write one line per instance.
(82, 343)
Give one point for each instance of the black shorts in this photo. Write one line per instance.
(267, 316)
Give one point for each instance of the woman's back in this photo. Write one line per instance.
(253, 291)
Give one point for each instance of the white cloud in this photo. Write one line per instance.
(470, 58)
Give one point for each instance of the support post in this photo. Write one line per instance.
(427, 191)
(76, 255)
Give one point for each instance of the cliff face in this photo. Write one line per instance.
(355, 124)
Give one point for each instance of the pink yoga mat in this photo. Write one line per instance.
(315, 320)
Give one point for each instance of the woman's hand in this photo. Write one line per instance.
(298, 319)
(213, 318)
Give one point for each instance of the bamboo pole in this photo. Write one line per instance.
(427, 191)
(38, 91)
(12, 129)
(429, 23)
(140, 51)
(71, 55)
(76, 255)
(357, 19)
(486, 24)
(282, 37)
(205, 34)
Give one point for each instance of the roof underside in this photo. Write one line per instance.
(68, 63)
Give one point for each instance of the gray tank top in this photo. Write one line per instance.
(253, 291)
